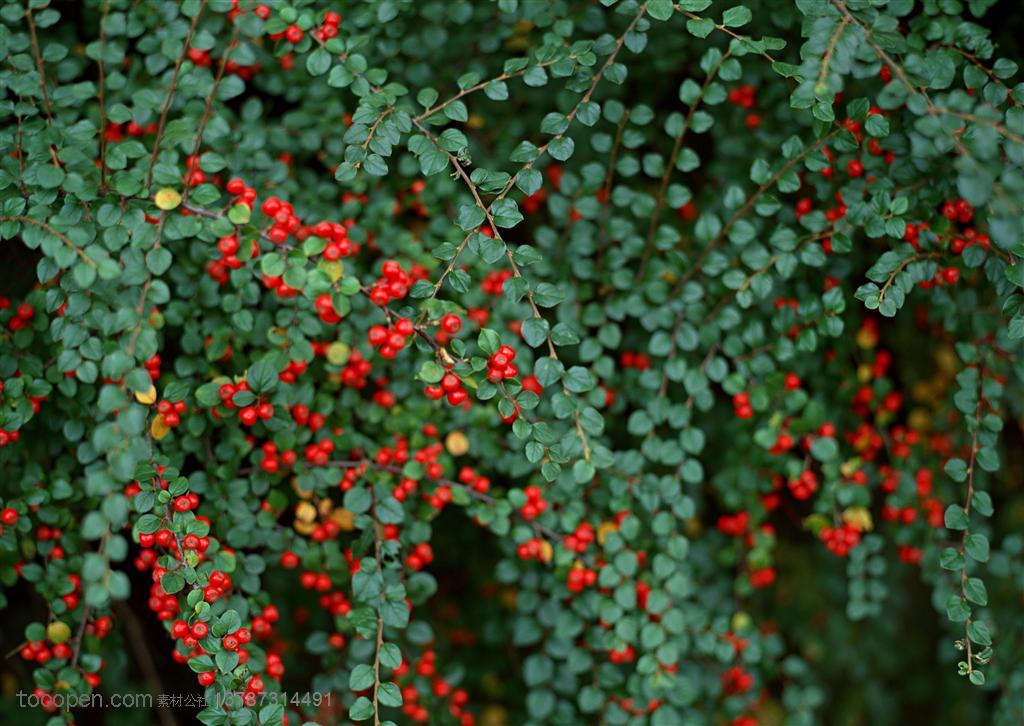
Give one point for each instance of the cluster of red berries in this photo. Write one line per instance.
(531, 549)
(276, 283)
(9, 437)
(242, 193)
(959, 210)
(153, 367)
(391, 339)
(450, 387)
(194, 176)
(272, 459)
(741, 405)
(324, 307)
(116, 131)
(292, 371)
(285, 222)
(734, 525)
(840, 540)
(319, 453)
(234, 641)
(330, 27)
(580, 578)
(40, 653)
(314, 421)
(969, 237)
(357, 369)
(384, 398)
(735, 680)
(762, 577)
(803, 486)
(942, 276)
(426, 668)
(293, 34)
(261, 411)
(782, 444)
(186, 502)
(442, 496)
(475, 481)
(745, 96)
(639, 361)
(500, 365)
(494, 282)
(910, 555)
(393, 284)
(580, 539)
(624, 654)
(319, 581)
(22, 317)
(171, 412)
(228, 246)
(420, 556)
(535, 504)
(262, 624)
(338, 243)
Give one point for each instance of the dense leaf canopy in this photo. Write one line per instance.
(528, 361)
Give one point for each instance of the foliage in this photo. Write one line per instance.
(677, 304)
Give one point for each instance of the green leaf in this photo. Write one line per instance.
(361, 709)
(318, 62)
(974, 590)
(976, 545)
(736, 17)
(956, 517)
(470, 217)
(659, 9)
(361, 677)
(262, 377)
(535, 331)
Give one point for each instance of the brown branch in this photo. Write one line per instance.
(481, 85)
(101, 70)
(667, 175)
(380, 617)
(902, 266)
(697, 266)
(170, 94)
(971, 466)
(208, 109)
(63, 238)
(830, 51)
(41, 70)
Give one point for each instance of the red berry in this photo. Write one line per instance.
(451, 324)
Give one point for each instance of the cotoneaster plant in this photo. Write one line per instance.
(513, 362)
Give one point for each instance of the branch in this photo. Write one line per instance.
(170, 94)
(209, 105)
(63, 238)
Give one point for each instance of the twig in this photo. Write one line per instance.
(63, 238)
(170, 94)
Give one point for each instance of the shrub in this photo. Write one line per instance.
(555, 362)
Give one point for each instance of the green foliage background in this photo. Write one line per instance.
(659, 219)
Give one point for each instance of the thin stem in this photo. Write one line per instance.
(652, 228)
(63, 238)
(170, 94)
(102, 94)
(208, 109)
(697, 266)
